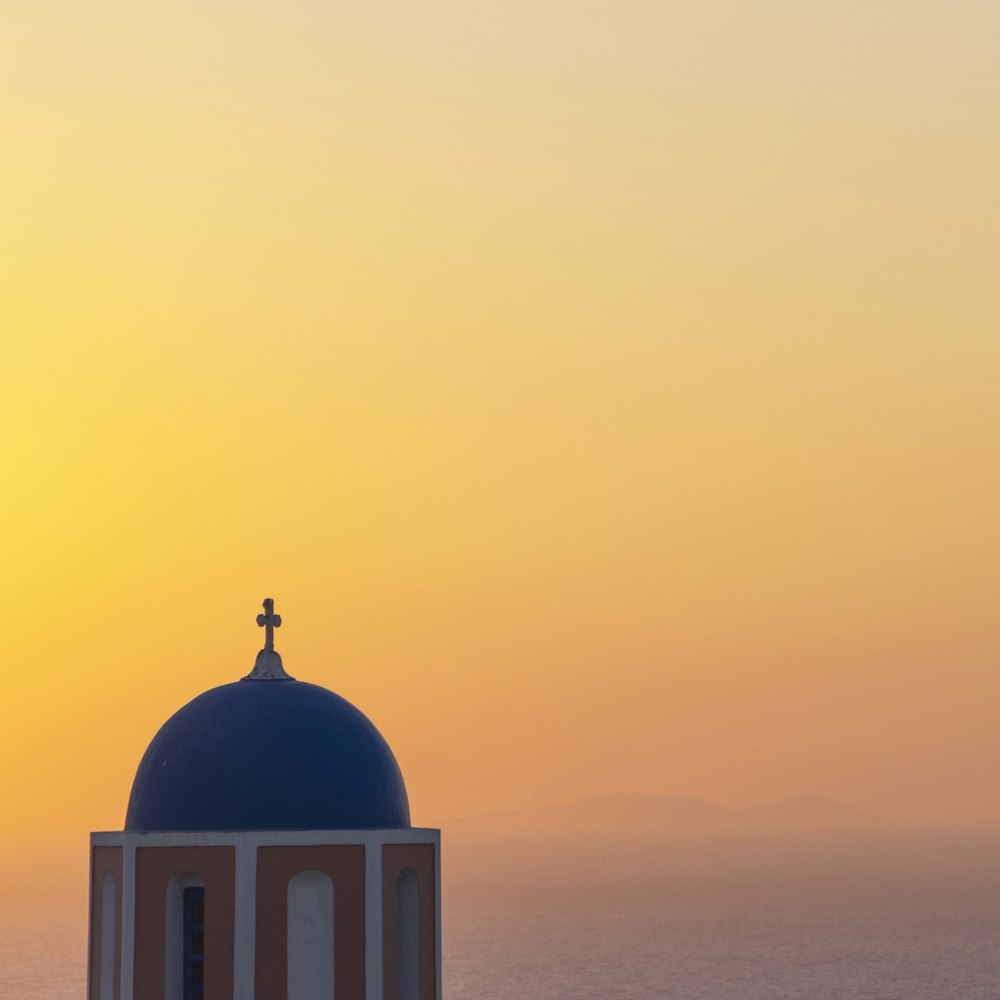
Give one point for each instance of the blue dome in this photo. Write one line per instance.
(268, 755)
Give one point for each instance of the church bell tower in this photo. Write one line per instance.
(267, 855)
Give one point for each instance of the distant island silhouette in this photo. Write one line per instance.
(632, 813)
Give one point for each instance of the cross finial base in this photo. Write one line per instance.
(268, 667)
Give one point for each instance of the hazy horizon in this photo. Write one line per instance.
(732, 918)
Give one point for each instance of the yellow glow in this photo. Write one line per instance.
(608, 391)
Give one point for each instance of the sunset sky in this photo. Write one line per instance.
(606, 393)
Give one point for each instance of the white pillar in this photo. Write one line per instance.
(128, 918)
(373, 918)
(245, 929)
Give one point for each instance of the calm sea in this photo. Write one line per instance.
(886, 920)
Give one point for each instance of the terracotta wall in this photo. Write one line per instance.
(154, 868)
(102, 861)
(419, 858)
(345, 865)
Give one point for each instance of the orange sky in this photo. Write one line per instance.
(607, 394)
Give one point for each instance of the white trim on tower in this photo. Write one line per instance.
(244, 931)
(128, 909)
(373, 921)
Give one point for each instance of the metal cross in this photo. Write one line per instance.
(270, 621)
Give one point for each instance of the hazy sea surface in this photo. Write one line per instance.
(887, 920)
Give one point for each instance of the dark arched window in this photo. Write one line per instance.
(184, 946)
(194, 942)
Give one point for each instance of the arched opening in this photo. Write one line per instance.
(310, 937)
(408, 935)
(108, 925)
(184, 948)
